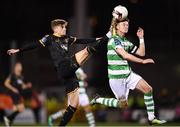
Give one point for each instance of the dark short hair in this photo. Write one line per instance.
(57, 22)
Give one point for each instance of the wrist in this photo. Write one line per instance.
(20, 50)
(13, 89)
(142, 61)
(141, 40)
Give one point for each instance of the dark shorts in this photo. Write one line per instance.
(16, 98)
(66, 72)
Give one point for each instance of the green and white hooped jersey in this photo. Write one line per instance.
(82, 89)
(118, 68)
(79, 74)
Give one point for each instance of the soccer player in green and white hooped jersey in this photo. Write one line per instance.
(83, 101)
(121, 77)
(83, 97)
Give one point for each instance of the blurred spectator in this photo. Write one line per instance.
(164, 98)
(36, 105)
(16, 85)
(177, 108)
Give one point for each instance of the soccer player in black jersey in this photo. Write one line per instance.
(15, 84)
(58, 45)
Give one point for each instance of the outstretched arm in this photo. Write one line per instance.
(91, 40)
(26, 47)
(41, 43)
(85, 40)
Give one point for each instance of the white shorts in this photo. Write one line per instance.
(121, 87)
(83, 100)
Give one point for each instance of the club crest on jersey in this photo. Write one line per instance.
(19, 81)
(66, 40)
(57, 40)
(64, 46)
(117, 42)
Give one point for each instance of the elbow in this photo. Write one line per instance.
(6, 84)
(142, 54)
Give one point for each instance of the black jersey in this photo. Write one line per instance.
(16, 81)
(58, 47)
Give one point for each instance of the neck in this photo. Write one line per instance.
(17, 74)
(57, 34)
(121, 34)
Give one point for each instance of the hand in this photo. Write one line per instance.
(146, 61)
(29, 85)
(98, 38)
(12, 51)
(140, 33)
(15, 91)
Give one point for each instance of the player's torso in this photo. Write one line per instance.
(117, 66)
(16, 81)
(59, 48)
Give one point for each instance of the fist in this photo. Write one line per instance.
(12, 51)
(140, 33)
(29, 85)
(146, 61)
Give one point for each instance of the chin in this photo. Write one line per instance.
(126, 31)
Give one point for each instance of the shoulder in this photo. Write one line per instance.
(116, 40)
(47, 36)
(45, 39)
(11, 76)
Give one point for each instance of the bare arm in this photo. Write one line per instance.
(37, 44)
(141, 50)
(27, 85)
(8, 85)
(132, 58)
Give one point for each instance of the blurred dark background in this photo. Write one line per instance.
(25, 21)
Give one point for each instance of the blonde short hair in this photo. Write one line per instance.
(57, 22)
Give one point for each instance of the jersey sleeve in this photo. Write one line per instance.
(72, 40)
(45, 41)
(116, 43)
(132, 48)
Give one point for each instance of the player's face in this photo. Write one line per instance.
(123, 27)
(18, 69)
(61, 30)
